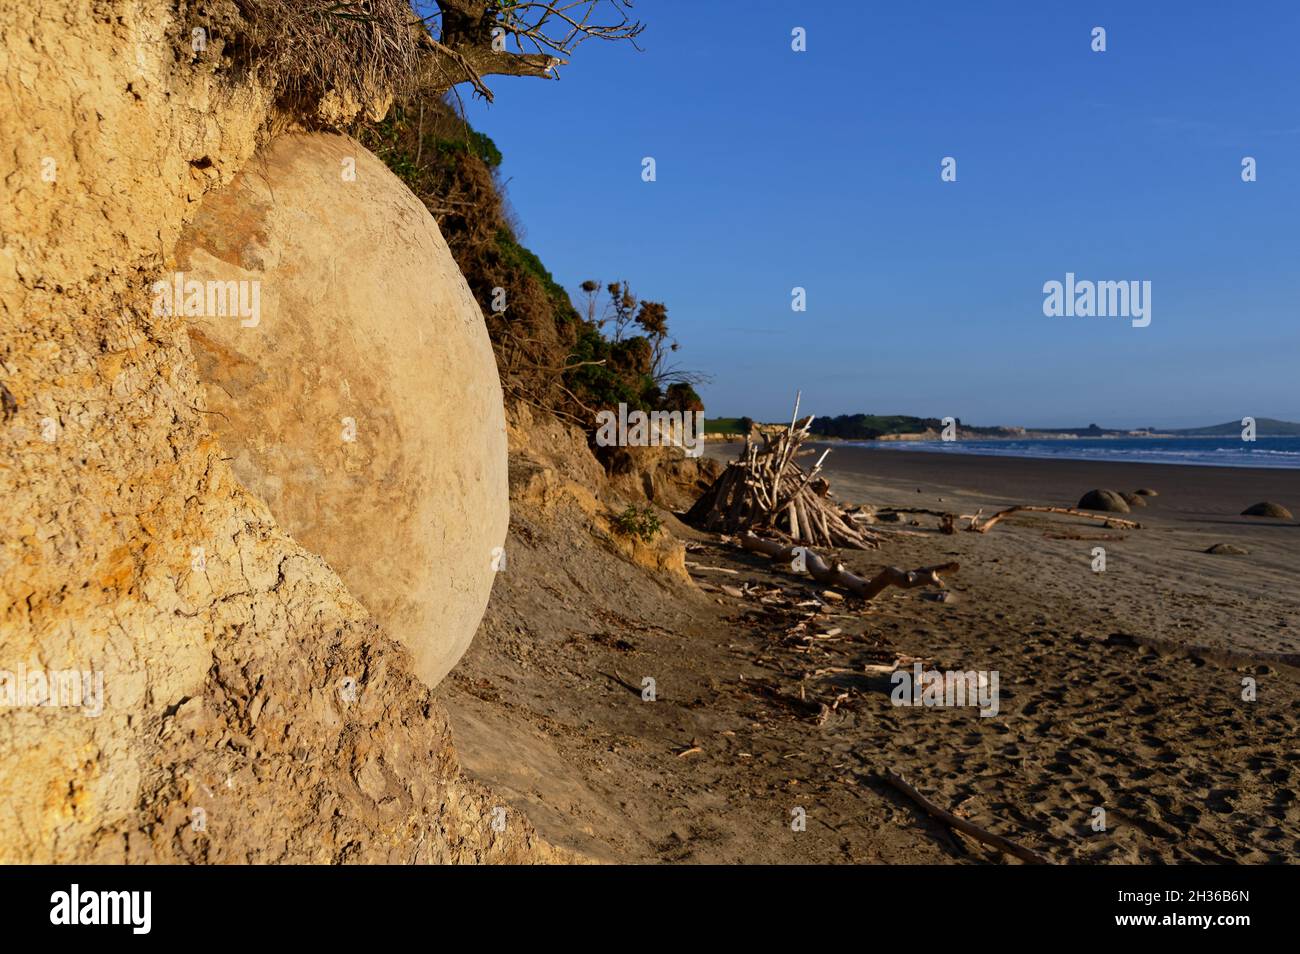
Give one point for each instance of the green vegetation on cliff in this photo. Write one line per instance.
(549, 355)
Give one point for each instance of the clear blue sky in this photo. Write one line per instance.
(821, 169)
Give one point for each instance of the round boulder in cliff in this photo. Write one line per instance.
(350, 379)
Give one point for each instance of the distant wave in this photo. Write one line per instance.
(1278, 453)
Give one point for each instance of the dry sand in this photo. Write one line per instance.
(1155, 733)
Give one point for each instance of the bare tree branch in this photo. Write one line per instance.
(478, 38)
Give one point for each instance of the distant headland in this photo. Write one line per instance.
(904, 427)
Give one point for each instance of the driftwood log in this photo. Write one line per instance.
(978, 523)
(836, 575)
(765, 489)
(984, 526)
(1005, 845)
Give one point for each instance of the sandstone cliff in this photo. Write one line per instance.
(253, 708)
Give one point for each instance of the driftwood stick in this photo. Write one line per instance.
(977, 527)
(823, 572)
(808, 478)
(1005, 845)
(738, 501)
(809, 528)
(926, 510)
(786, 447)
(819, 518)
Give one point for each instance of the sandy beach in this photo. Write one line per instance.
(1159, 576)
(401, 468)
(1121, 692)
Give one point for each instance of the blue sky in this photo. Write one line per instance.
(821, 169)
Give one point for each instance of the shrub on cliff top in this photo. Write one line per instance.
(365, 50)
(547, 353)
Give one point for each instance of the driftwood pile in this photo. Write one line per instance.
(764, 489)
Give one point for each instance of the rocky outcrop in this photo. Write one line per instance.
(664, 475)
(554, 478)
(252, 708)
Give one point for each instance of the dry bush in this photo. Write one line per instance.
(363, 49)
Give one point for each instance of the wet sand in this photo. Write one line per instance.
(1210, 494)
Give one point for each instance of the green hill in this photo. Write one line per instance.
(1264, 426)
(872, 426)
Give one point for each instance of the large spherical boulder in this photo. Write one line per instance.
(353, 383)
(1107, 501)
(1267, 509)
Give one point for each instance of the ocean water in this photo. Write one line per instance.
(1273, 452)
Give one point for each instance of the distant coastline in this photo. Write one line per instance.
(1266, 452)
(911, 429)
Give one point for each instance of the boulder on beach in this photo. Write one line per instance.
(1267, 509)
(1133, 500)
(1146, 492)
(1227, 549)
(1107, 501)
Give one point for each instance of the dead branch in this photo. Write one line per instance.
(469, 64)
(1115, 523)
(478, 38)
(837, 575)
(617, 677)
(1005, 845)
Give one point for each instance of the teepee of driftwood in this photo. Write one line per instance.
(764, 489)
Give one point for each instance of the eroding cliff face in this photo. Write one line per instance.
(252, 709)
